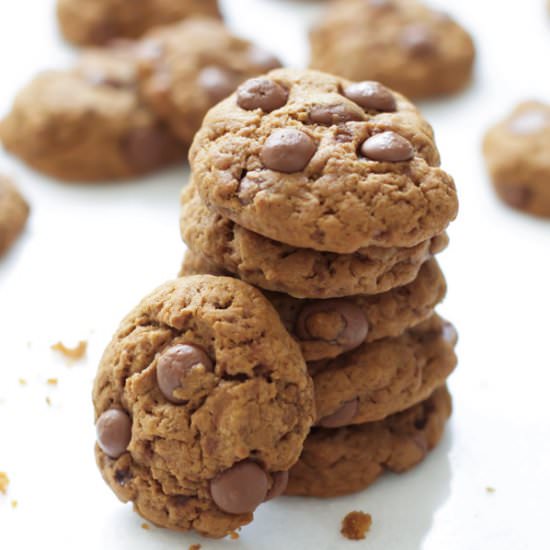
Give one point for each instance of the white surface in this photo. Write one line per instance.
(91, 252)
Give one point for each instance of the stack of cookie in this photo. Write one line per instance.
(328, 195)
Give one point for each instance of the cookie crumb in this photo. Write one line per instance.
(14, 504)
(145, 526)
(4, 482)
(52, 381)
(355, 525)
(48, 401)
(22, 382)
(490, 489)
(233, 535)
(195, 547)
(75, 353)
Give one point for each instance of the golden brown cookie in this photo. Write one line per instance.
(188, 67)
(202, 404)
(517, 153)
(14, 212)
(300, 272)
(89, 123)
(346, 460)
(99, 21)
(316, 161)
(402, 43)
(381, 378)
(327, 328)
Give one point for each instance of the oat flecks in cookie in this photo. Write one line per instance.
(200, 357)
(339, 167)
(516, 153)
(410, 47)
(356, 525)
(14, 212)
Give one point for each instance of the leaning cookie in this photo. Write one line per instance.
(347, 460)
(89, 123)
(316, 161)
(96, 22)
(517, 153)
(327, 328)
(381, 378)
(417, 51)
(299, 272)
(202, 402)
(188, 67)
(14, 212)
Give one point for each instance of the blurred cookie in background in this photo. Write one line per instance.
(14, 212)
(517, 153)
(96, 22)
(404, 44)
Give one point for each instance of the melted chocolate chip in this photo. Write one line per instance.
(387, 147)
(371, 96)
(287, 150)
(261, 93)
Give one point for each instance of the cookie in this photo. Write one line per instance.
(99, 21)
(347, 460)
(316, 161)
(14, 212)
(89, 123)
(381, 378)
(299, 272)
(517, 156)
(188, 67)
(325, 329)
(202, 403)
(402, 43)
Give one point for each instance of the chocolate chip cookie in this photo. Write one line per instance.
(202, 404)
(327, 328)
(408, 46)
(89, 123)
(347, 460)
(188, 67)
(14, 212)
(99, 21)
(381, 378)
(316, 161)
(517, 152)
(300, 272)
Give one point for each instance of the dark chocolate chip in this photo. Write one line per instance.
(287, 150)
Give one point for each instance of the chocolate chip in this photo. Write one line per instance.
(387, 147)
(418, 39)
(449, 333)
(529, 122)
(261, 93)
(146, 148)
(263, 59)
(241, 489)
(102, 32)
(287, 150)
(334, 114)
(114, 431)
(279, 482)
(371, 96)
(178, 363)
(517, 196)
(217, 83)
(122, 477)
(339, 321)
(342, 417)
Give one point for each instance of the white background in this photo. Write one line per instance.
(91, 252)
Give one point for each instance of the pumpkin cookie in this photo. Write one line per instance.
(99, 21)
(89, 123)
(189, 67)
(202, 404)
(316, 161)
(417, 51)
(384, 377)
(327, 328)
(300, 272)
(517, 152)
(14, 212)
(347, 460)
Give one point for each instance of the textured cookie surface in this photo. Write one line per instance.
(188, 67)
(402, 43)
(299, 272)
(346, 460)
(315, 161)
(99, 21)
(381, 378)
(517, 152)
(89, 123)
(203, 402)
(14, 212)
(327, 328)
